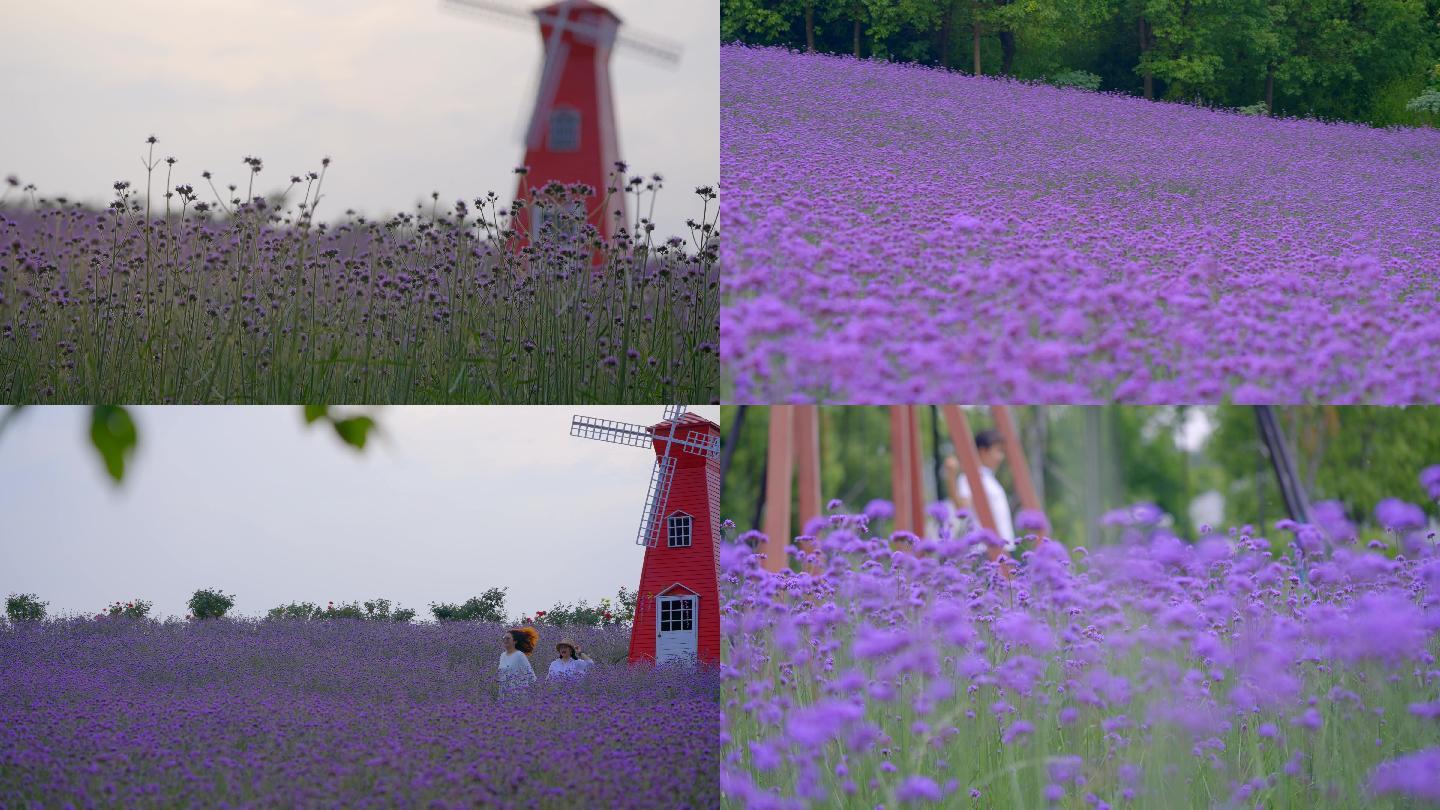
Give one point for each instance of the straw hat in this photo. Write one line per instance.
(574, 648)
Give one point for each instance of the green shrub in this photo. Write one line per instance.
(1258, 108)
(1426, 102)
(487, 607)
(134, 609)
(25, 607)
(564, 613)
(380, 610)
(295, 610)
(1083, 79)
(621, 610)
(208, 603)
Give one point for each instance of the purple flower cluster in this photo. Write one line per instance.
(1239, 670)
(259, 304)
(128, 713)
(906, 234)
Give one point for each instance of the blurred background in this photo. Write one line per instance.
(1200, 464)
(1370, 61)
(406, 97)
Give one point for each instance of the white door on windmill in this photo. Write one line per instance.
(675, 637)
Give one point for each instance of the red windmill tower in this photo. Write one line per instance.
(677, 612)
(571, 136)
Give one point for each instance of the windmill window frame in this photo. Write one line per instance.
(679, 530)
(677, 615)
(563, 130)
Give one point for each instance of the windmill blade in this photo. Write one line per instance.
(660, 49)
(660, 478)
(701, 443)
(664, 51)
(511, 14)
(608, 430)
(556, 51)
(632, 435)
(673, 412)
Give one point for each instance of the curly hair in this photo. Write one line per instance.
(525, 639)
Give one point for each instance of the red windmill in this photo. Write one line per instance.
(571, 136)
(677, 613)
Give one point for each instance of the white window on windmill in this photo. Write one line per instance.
(564, 129)
(677, 615)
(677, 530)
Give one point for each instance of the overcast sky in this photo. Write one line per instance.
(449, 501)
(407, 96)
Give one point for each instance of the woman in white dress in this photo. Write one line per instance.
(515, 669)
(569, 664)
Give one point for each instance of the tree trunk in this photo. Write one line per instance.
(1034, 435)
(810, 25)
(975, 30)
(732, 441)
(857, 37)
(1270, 89)
(945, 37)
(1007, 51)
(1145, 49)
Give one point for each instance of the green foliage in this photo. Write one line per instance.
(1258, 109)
(580, 614)
(1426, 102)
(113, 434)
(1076, 78)
(353, 430)
(1357, 455)
(380, 610)
(299, 611)
(624, 604)
(487, 607)
(25, 607)
(757, 21)
(375, 610)
(208, 603)
(134, 609)
(620, 611)
(1333, 59)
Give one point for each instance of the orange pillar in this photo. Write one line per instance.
(917, 475)
(900, 468)
(807, 454)
(1015, 454)
(779, 465)
(964, 442)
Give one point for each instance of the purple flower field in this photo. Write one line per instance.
(251, 302)
(119, 713)
(1248, 669)
(905, 234)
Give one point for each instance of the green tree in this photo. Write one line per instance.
(1357, 455)
(487, 607)
(210, 603)
(1358, 60)
(25, 607)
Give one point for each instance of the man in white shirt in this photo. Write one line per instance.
(992, 454)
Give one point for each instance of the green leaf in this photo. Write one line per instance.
(113, 434)
(355, 430)
(315, 412)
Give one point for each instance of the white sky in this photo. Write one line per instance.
(448, 502)
(407, 96)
